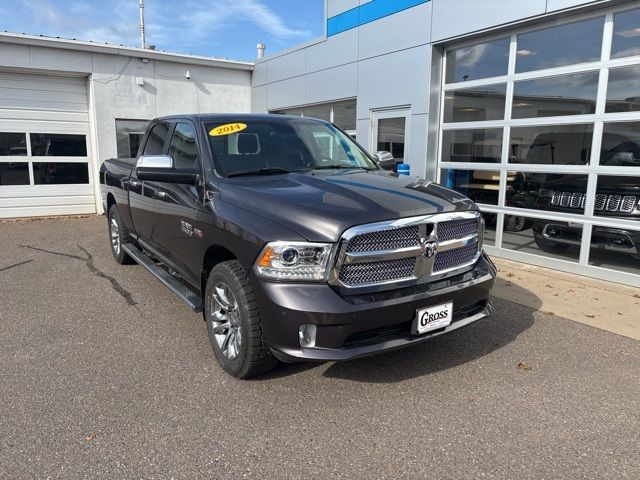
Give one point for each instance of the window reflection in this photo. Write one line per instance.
(481, 186)
(626, 34)
(58, 145)
(550, 238)
(475, 104)
(552, 144)
(621, 144)
(559, 46)
(490, 223)
(555, 192)
(618, 197)
(615, 248)
(13, 144)
(623, 93)
(14, 173)
(474, 145)
(391, 136)
(484, 60)
(562, 95)
(55, 173)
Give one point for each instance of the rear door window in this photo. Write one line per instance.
(157, 137)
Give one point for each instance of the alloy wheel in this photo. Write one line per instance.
(225, 319)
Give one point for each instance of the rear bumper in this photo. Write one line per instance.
(362, 325)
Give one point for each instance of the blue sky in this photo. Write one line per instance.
(220, 28)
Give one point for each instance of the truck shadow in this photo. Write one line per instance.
(462, 346)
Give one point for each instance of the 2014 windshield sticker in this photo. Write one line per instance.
(227, 129)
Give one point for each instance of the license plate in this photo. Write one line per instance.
(433, 318)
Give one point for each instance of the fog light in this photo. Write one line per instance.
(307, 335)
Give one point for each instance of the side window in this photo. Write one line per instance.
(156, 139)
(183, 147)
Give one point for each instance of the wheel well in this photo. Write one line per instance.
(111, 200)
(214, 255)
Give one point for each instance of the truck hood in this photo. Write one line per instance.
(321, 205)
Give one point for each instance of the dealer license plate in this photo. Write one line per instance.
(433, 318)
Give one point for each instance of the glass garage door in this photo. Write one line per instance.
(44, 148)
(542, 129)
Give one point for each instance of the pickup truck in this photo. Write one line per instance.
(293, 241)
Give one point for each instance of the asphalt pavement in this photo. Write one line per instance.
(104, 374)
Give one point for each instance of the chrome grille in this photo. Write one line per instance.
(628, 204)
(385, 240)
(380, 255)
(377, 272)
(603, 202)
(454, 258)
(452, 229)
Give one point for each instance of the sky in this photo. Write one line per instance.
(213, 28)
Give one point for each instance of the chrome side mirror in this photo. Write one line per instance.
(161, 168)
(385, 160)
(155, 161)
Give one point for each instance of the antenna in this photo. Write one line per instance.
(143, 43)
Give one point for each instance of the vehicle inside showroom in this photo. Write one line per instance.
(529, 109)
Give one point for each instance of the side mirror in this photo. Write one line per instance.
(161, 168)
(385, 160)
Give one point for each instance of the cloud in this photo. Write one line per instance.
(189, 22)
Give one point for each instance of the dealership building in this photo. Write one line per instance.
(530, 107)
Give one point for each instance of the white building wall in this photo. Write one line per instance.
(215, 86)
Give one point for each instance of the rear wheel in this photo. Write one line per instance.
(118, 236)
(234, 324)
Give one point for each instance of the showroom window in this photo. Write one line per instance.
(342, 114)
(541, 128)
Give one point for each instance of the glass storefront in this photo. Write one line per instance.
(546, 140)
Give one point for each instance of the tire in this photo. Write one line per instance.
(118, 236)
(514, 223)
(234, 324)
(550, 247)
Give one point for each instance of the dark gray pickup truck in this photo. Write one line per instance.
(293, 241)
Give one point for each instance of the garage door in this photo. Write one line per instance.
(45, 153)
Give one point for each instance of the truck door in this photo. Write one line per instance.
(142, 195)
(175, 231)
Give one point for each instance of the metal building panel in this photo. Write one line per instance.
(406, 29)
(286, 66)
(394, 79)
(459, 17)
(286, 93)
(553, 5)
(335, 7)
(334, 83)
(336, 50)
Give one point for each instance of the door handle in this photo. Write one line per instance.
(160, 195)
(135, 183)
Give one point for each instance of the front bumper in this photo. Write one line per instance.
(360, 325)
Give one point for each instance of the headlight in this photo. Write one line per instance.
(294, 261)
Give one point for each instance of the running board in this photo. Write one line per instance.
(182, 291)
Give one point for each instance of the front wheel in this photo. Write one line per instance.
(234, 324)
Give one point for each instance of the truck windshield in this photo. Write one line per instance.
(281, 146)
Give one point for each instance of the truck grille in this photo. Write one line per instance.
(377, 272)
(457, 229)
(454, 258)
(385, 253)
(608, 203)
(385, 240)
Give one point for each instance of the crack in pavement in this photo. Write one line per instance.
(15, 265)
(88, 260)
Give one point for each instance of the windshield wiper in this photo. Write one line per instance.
(259, 171)
(338, 166)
